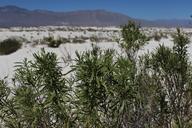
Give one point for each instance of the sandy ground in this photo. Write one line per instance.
(7, 62)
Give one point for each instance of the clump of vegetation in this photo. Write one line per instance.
(91, 30)
(9, 46)
(158, 36)
(78, 40)
(94, 39)
(41, 98)
(101, 39)
(133, 39)
(55, 43)
(48, 39)
(106, 90)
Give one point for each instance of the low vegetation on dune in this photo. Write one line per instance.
(54, 43)
(105, 90)
(78, 40)
(9, 46)
(158, 36)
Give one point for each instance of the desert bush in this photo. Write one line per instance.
(65, 40)
(48, 39)
(78, 40)
(94, 39)
(132, 39)
(158, 36)
(91, 30)
(9, 46)
(40, 98)
(169, 73)
(105, 89)
(92, 75)
(54, 43)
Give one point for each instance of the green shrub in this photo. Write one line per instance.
(92, 73)
(55, 43)
(41, 97)
(9, 46)
(78, 40)
(94, 39)
(105, 89)
(91, 30)
(133, 39)
(65, 40)
(157, 37)
(48, 39)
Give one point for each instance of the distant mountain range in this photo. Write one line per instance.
(13, 16)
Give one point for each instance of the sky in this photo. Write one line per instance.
(143, 9)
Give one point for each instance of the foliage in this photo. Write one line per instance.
(78, 40)
(133, 39)
(105, 89)
(41, 97)
(157, 36)
(9, 46)
(92, 79)
(171, 70)
(126, 92)
(94, 39)
(55, 43)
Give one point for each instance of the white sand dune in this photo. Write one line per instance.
(7, 62)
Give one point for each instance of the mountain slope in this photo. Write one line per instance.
(11, 16)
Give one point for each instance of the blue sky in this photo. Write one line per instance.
(145, 9)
